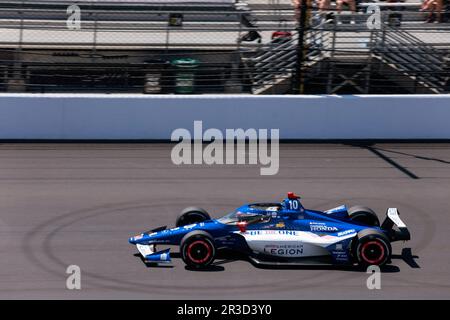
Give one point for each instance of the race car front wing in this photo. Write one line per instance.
(150, 255)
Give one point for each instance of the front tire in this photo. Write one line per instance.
(363, 215)
(197, 249)
(192, 215)
(372, 247)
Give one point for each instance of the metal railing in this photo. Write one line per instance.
(216, 47)
(409, 55)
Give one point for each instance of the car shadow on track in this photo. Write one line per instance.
(221, 258)
(150, 264)
(356, 269)
(224, 257)
(211, 268)
(408, 258)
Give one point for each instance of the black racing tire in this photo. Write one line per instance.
(363, 215)
(192, 215)
(371, 247)
(197, 249)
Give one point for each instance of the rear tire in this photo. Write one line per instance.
(364, 215)
(192, 215)
(372, 247)
(197, 249)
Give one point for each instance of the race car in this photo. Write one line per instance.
(279, 233)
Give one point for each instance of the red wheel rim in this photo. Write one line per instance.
(199, 245)
(373, 252)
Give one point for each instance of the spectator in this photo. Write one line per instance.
(350, 3)
(324, 5)
(435, 7)
(297, 8)
(252, 35)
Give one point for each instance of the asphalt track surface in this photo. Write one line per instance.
(64, 204)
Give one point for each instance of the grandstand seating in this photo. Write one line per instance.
(123, 44)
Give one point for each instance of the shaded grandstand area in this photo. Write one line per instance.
(130, 46)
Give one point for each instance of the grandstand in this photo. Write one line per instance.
(220, 46)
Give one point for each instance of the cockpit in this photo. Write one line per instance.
(235, 217)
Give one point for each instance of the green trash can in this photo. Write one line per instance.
(185, 74)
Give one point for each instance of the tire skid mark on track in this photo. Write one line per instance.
(46, 247)
(118, 284)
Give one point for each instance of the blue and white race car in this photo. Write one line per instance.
(277, 234)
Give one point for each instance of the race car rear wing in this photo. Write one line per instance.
(394, 226)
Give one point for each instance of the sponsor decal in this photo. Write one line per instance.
(190, 226)
(139, 237)
(287, 232)
(334, 210)
(161, 241)
(284, 250)
(163, 256)
(280, 225)
(343, 233)
(340, 257)
(264, 232)
(323, 228)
